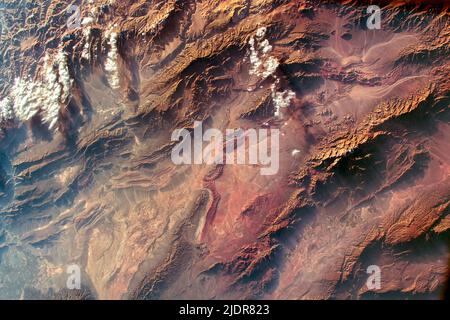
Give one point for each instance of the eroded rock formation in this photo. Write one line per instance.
(87, 111)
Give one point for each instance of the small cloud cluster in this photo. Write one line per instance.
(281, 99)
(264, 65)
(87, 21)
(85, 53)
(28, 97)
(64, 76)
(111, 67)
(6, 110)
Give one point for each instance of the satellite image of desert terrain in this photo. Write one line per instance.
(224, 150)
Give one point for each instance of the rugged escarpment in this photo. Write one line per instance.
(91, 94)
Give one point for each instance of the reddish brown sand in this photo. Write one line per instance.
(364, 175)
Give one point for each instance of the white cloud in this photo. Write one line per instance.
(85, 53)
(6, 110)
(64, 76)
(111, 60)
(261, 32)
(281, 100)
(87, 21)
(270, 65)
(28, 97)
(264, 65)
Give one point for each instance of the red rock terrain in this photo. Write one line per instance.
(86, 176)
